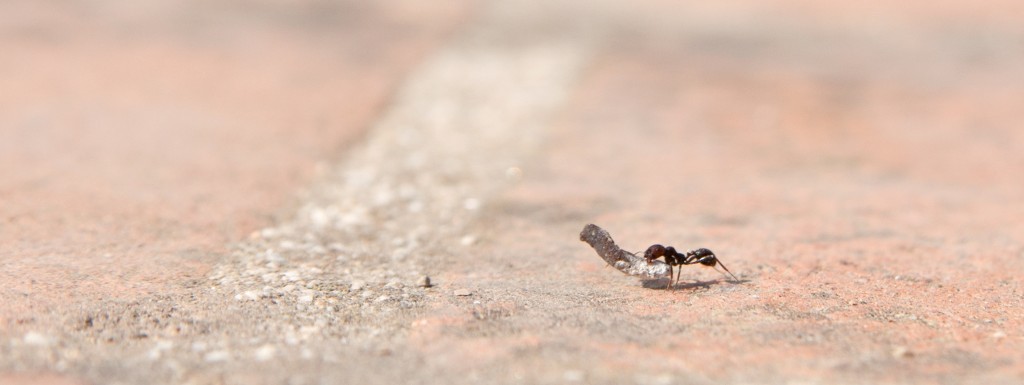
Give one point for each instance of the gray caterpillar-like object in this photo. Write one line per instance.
(620, 259)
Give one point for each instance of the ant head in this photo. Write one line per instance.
(654, 252)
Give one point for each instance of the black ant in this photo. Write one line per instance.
(674, 258)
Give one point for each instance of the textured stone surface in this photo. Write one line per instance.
(137, 141)
(857, 166)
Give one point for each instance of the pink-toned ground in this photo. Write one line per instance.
(858, 166)
(862, 179)
(875, 222)
(138, 141)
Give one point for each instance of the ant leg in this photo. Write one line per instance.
(678, 274)
(669, 277)
(727, 270)
(701, 260)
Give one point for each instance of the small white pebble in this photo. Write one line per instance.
(999, 334)
(273, 257)
(217, 356)
(572, 376)
(471, 204)
(305, 298)
(383, 298)
(462, 292)
(356, 286)
(383, 197)
(468, 240)
(514, 174)
(159, 349)
(291, 340)
(265, 353)
(415, 206)
(319, 218)
(36, 339)
(901, 352)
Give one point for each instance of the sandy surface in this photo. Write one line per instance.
(856, 166)
(137, 142)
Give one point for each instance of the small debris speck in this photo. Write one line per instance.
(265, 353)
(573, 376)
(462, 292)
(217, 356)
(250, 295)
(424, 281)
(36, 339)
(514, 174)
(901, 352)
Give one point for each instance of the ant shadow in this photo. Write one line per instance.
(664, 283)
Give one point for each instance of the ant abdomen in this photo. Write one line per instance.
(703, 256)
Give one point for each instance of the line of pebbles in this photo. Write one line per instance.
(397, 208)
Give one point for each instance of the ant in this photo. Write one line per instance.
(674, 258)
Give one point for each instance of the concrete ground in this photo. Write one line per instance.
(254, 193)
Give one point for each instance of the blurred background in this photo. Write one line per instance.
(151, 110)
